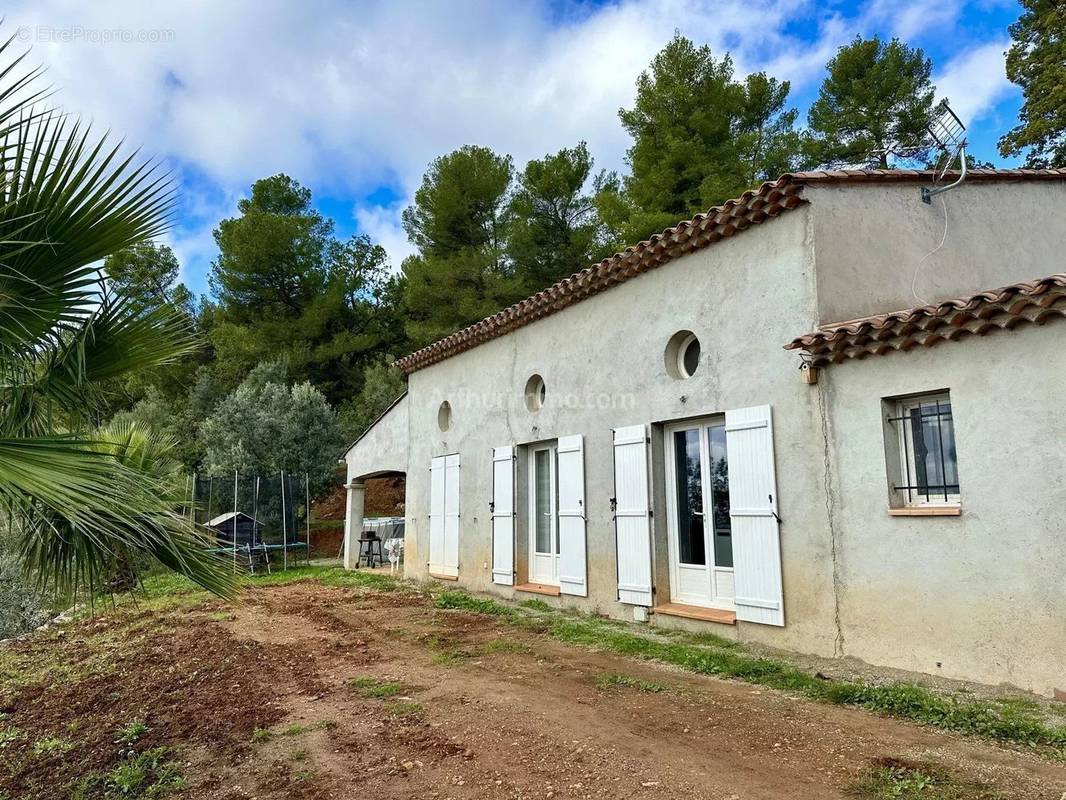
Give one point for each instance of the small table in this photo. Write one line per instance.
(370, 549)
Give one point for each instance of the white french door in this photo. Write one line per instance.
(543, 515)
(701, 544)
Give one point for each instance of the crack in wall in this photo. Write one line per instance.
(827, 477)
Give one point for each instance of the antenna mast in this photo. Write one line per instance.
(949, 134)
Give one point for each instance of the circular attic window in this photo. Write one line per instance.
(535, 393)
(682, 355)
(444, 416)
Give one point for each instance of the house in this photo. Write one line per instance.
(808, 419)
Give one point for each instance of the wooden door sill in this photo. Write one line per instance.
(443, 577)
(538, 588)
(719, 615)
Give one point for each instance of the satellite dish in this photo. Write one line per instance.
(949, 137)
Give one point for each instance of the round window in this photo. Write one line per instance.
(689, 356)
(682, 355)
(535, 393)
(444, 416)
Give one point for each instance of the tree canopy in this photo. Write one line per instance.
(1036, 61)
(876, 95)
(700, 137)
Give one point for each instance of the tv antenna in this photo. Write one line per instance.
(949, 137)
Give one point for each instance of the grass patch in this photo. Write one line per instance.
(1008, 720)
(891, 779)
(260, 735)
(51, 745)
(130, 732)
(9, 734)
(373, 688)
(296, 729)
(450, 657)
(504, 646)
(606, 681)
(298, 755)
(148, 776)
(536, 605)
(461, 601)
(403, 708)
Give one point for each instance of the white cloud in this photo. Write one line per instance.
(382, 225)
(349, 96)
(975, 81)
(907, 20)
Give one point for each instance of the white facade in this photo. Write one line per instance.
(743, 490)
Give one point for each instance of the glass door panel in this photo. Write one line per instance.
(691, 548)
(543, 501)
(719, 473)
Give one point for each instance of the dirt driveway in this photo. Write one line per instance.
(311, 691)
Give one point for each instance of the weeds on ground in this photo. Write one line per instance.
(9, 734)
(296, 729)
(891, 779)
(298, 755)
(148, 776)
(536, 605)
(504, 646)
(606, 681)
(1004, 720)
(405, 708)
(260, 735)
(129, 733)
(374, 688)
(462, 601)
(51, 745)
(451, 656)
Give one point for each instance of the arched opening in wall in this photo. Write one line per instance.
(384, 498)
(682, 356)
(444, 416)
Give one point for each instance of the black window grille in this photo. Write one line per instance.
(929, 468)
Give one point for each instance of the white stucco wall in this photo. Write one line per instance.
(870, 241)
(980, 596)
(743, 297)
(385, 448)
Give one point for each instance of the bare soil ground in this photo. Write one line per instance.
(310, 691)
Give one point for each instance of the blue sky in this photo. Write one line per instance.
(354, 99)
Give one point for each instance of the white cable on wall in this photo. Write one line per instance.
(927, 256)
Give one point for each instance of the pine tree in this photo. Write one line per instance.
(877, 94)
(554, 230)
(700, 137)
(458, 222)
(1036, 61)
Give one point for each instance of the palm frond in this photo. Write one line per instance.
(68, 198)
(76, 200)
(78, 506)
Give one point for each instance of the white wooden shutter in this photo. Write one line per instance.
(503, 515)
(436, 515)
(753, 513)
(572, 567)
(451, 515)
(632, 520)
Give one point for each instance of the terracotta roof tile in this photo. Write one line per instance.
(770, 200)
(1033, 302)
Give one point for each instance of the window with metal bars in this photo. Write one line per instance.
(928, 470)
